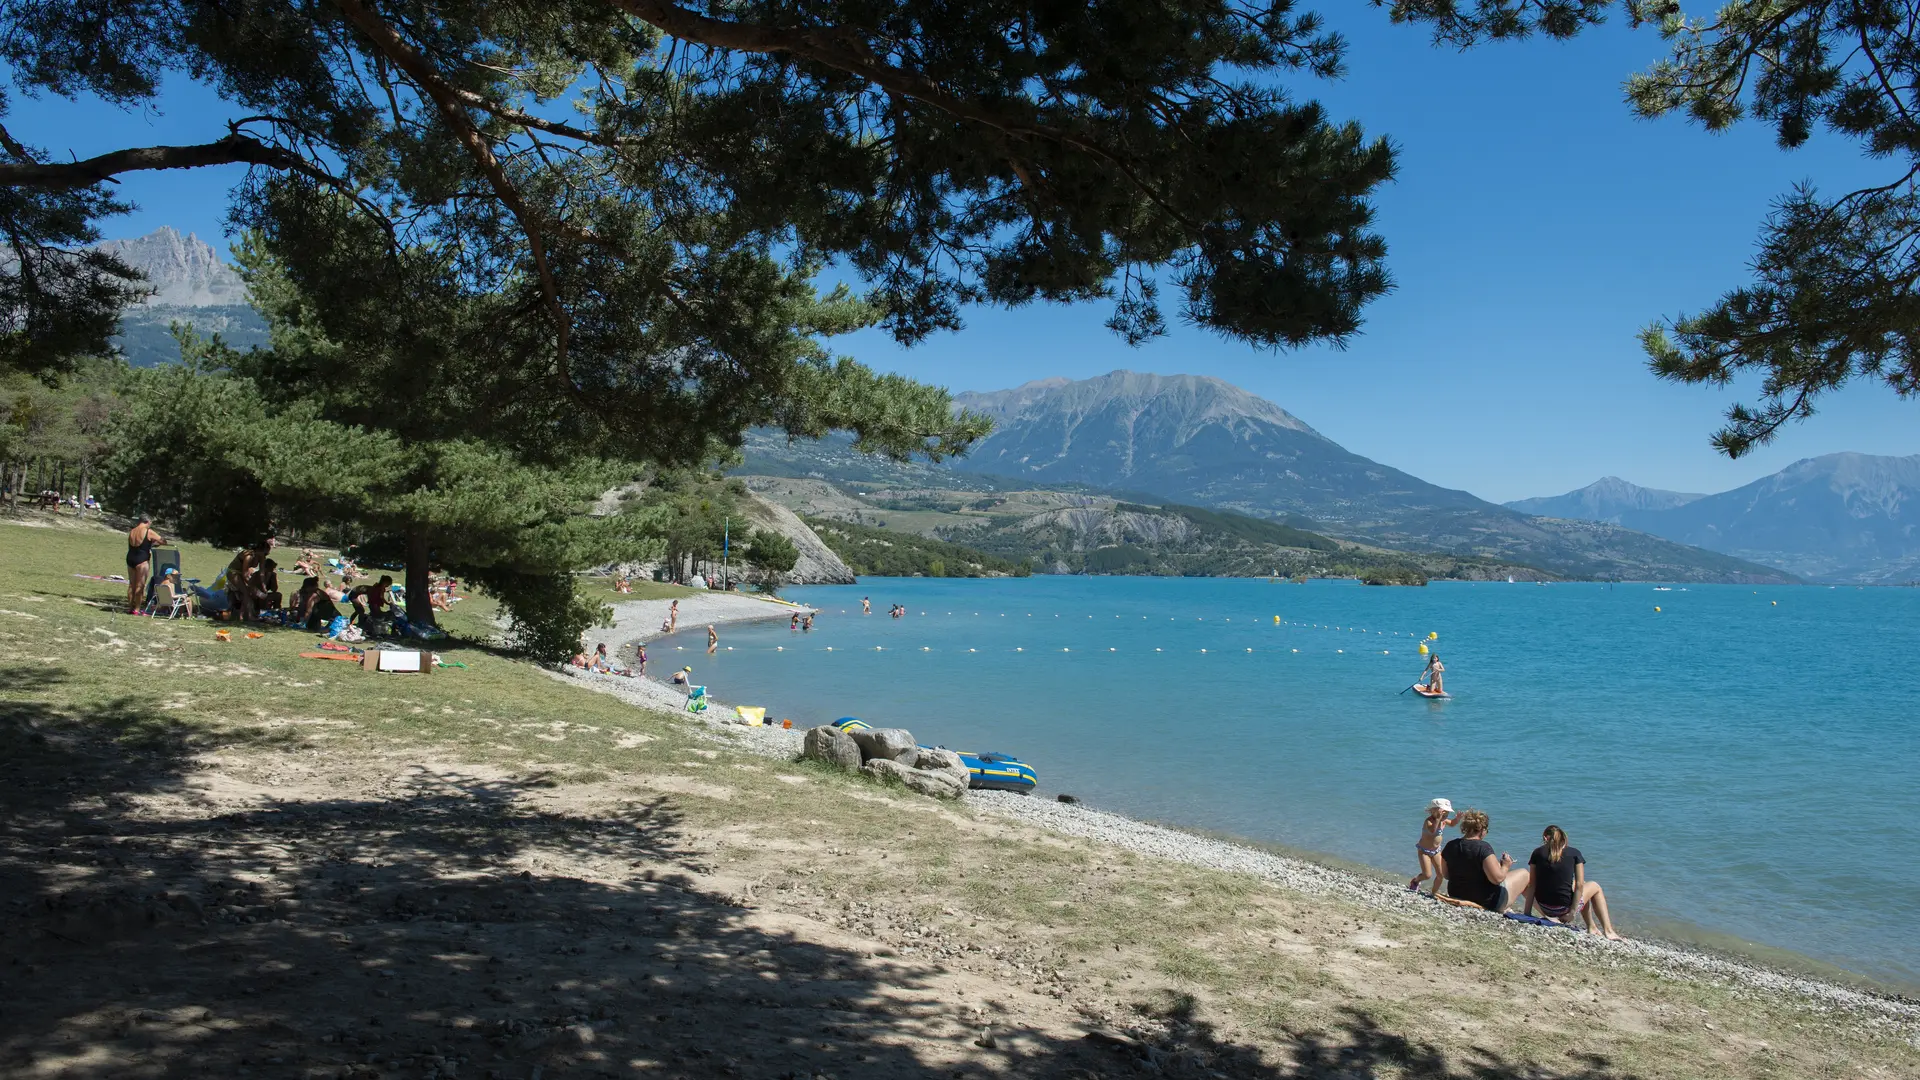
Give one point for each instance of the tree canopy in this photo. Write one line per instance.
(597, 155)
(1833, 299)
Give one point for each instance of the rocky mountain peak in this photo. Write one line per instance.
(184, 271)
(1186, 402)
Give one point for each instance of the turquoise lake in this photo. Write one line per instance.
(1739, 767)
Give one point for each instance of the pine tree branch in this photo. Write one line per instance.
(842, 49)
(234, 149)
(449, 100)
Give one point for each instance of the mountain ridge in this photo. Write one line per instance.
(1199, 441)
(1842, 517)
(1606, 499)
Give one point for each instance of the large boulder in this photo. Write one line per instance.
(831, 745)
(940, 785)
(889, 744)
(946, 762)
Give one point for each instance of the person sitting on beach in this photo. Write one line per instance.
(175, 591)
(266, 586)
(580, 660)
(604, 665)
(1475, 877)
(1560, 887)
(1439, 815)
(308, 564)
(312, 606)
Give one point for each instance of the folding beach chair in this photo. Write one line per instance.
(696, 699)
(158, 560)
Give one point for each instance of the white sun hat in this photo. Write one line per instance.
(1440, 804)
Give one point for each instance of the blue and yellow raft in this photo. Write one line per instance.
(985, 771)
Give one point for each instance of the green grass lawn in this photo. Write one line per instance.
(67, 642)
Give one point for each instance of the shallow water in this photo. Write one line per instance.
(1743, 761)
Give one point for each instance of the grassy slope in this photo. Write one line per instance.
(100, 711)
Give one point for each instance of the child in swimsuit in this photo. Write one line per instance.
(1440, 815)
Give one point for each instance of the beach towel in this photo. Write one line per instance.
(1535, 920)
(754, 715)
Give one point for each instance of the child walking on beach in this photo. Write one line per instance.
(1439, 816)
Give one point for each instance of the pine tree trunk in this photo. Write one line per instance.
(419, 579)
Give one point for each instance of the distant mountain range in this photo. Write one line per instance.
(191, 285)
(1203, 442)
(1849, 518)
(1607, 499)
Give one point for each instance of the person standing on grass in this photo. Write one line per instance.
(1475, 877)
(141, 540)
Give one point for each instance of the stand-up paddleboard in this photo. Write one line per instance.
(1431, 695)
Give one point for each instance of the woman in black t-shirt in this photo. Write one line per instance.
(1475, 876)
(1559, 884)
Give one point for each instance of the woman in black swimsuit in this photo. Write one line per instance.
(141, 540)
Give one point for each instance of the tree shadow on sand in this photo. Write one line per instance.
(424, 933)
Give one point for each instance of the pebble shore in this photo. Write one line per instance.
(640, 621)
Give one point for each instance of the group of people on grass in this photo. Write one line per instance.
(250, 586)
(1553, 881)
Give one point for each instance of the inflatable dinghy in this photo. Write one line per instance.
(998, 772)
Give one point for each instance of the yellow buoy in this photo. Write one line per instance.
(1656, 607)
(1276, 620)
(1423, 648)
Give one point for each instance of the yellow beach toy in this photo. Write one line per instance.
(754, 715)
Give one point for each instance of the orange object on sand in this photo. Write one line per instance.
(786, 723)
(223, 635)
(255, 634)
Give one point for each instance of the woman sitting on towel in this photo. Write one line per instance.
(1559, 885)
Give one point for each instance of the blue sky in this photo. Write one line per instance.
(1535, 226)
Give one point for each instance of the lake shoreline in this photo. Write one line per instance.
(1308, 872)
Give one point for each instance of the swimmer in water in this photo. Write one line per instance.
(713, 639)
